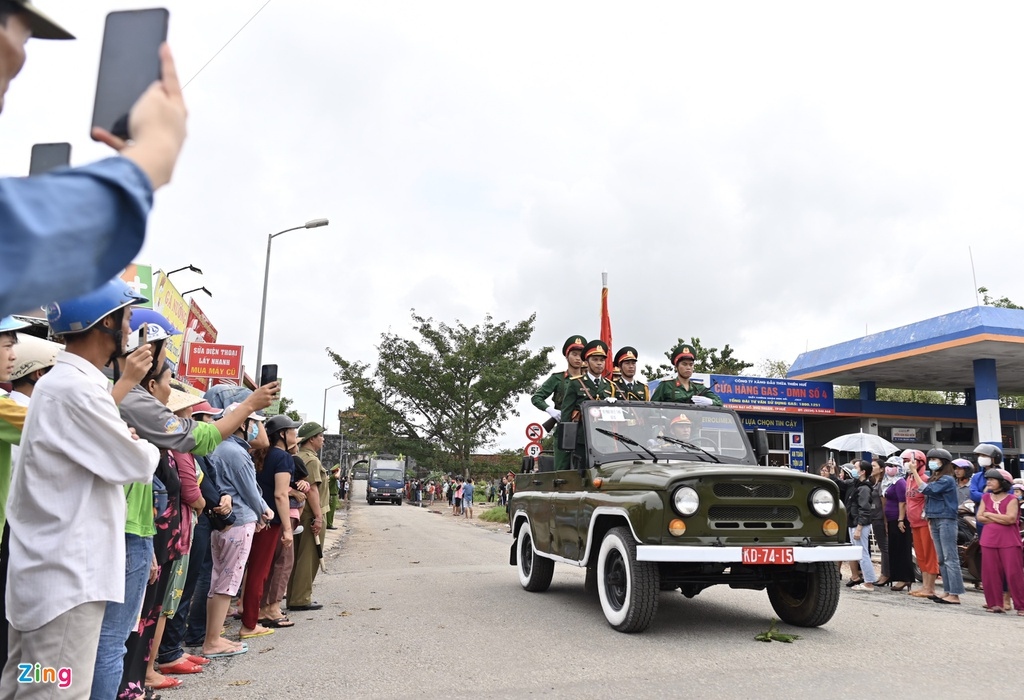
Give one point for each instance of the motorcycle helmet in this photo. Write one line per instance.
(964, 464)
(894, 461)
(990, 450)
(916, 456)
(280, 422)
(157, 328)
(1002, 476)
(34, 354)
(82, 313)
(940, 453)
(9, 324)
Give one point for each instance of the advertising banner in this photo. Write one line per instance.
(774, 395)
(773, 424)
(140, 279)
(168, 302)
(208, 360)
(197, 330)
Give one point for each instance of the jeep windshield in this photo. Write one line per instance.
(672, 431)
(386, 475)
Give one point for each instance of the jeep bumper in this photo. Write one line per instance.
(734, 555)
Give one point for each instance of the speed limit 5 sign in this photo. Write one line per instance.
(533, 450)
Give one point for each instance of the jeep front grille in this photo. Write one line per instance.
(739, 490)
(753, 517)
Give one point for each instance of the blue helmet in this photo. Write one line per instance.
(9, 324)
(153, 318)
(82, 313)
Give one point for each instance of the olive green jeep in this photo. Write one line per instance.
(667, 497)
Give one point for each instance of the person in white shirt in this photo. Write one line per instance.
(66, 508)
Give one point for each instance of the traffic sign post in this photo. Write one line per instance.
(534, 432)
(533, 450)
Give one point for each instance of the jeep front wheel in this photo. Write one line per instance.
(807, 599)
(535, 571)
(628, 588)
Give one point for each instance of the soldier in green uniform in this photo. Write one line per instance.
(554, 386)
(681, 389)
(590, 386)
(627, 386)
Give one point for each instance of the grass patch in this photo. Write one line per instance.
(495, 514)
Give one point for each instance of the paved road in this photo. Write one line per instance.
(420, 604)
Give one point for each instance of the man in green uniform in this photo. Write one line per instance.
(590, 386)
(310, 540)
(627, 386)
(335, 500)
(554, 386)
(681, 389)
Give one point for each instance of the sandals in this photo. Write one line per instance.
(167, 684)
(180, 667)
(277, 623)
(854, 582)
(900, 588)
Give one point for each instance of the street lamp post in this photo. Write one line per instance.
(323, 419)
(312, 223)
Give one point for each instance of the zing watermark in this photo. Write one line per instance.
(37, 673)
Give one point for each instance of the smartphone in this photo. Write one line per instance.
(49, 156)
(142, 335)
(268, 374)
(129, 64)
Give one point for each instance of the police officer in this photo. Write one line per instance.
(307, 556)
(554, 386)
(590, 386)
(682, 389)
(627, 386)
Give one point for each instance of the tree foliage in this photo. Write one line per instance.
(444, 395)
(895, 395)
(777, 369)
(708, 360)
(286, 409)
(1002, 302)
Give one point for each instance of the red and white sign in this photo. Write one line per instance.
(213, 361)
(768, 555)
(534, 432)
(533, 450)
(197, 330)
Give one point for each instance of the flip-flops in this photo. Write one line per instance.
(262, 633)
(180, 667)
(944, 601)
(197, 660)
(277, 623)
(167, 684)
(225, 654)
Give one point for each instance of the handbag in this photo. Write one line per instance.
(217, 521)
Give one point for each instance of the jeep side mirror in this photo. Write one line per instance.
(760, 444)
(568, 440)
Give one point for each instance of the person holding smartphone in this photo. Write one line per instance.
(96, 212)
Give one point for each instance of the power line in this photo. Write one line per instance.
(226, 44)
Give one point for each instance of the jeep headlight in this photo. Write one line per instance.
(373, 489)
(686, 501)
(822, 502)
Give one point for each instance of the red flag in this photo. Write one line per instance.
(606, 325)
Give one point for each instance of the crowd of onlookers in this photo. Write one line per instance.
(912, 503)
(460, 493)
(188, 500)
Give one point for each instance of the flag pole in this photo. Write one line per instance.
(606, 325)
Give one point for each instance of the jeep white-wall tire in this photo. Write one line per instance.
(628, 588)
(534, 571)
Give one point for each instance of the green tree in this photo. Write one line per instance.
(777, 369)
(286, 409)
(708, 360)
(895, 395)
(444, 395)
(1002, 302)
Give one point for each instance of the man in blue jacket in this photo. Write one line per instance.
(67, 232)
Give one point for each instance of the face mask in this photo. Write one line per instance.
(984, 461)
(891, 471)
(934, 465)
(254, 431)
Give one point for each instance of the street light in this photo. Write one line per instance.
(312, 223)
(187, 267)
(323, 419)
(199, 289)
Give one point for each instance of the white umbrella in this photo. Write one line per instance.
(862, 442)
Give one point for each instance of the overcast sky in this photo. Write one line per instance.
(776, 176)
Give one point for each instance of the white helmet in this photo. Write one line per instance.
(33, 354)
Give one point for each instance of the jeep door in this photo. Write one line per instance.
(566, 496)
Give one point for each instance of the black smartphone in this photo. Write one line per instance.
(49, 156)
(268, 374)
(143, 331)
(129, 64)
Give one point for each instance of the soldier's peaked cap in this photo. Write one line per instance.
(573, 342)
(683, 352)
(595, 347)
(625, 353)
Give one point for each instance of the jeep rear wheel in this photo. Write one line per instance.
(628, 588)
(808, 599)
(535, 571)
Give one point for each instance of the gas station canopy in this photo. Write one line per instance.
(936, 354)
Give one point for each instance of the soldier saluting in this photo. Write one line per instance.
(682, 389)
(554, 386)
(627, 386)
(590, 386)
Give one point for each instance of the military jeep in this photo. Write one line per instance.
(670, 497)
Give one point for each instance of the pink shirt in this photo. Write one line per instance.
(915, 501)
(190, 493)
(997, 534)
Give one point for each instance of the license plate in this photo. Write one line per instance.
(767, 555)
